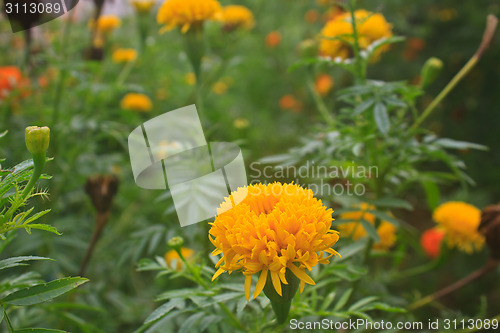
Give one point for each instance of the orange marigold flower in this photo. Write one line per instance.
(10, 78)
(324, 84)
(275, 228)
(136, 102)
(124, 55)
(289, 102)
(311, 16)
(173, 259)
(219, 88)
(386, 230)
(108, 23)
(460, 222)
(273, 39)
(235, 16)
(187, 13)
(338, 34)
(431, 242)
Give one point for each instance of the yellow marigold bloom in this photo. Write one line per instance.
(108, 23)
(338, 34)
(241, 123)
(235, 16)
(386, 231)
(187, 13)
(276, 227)
(174, 261)
(124, 55)
(190, 79)
(136, 102)
(219, 88)
(460, 222)
(143, 6)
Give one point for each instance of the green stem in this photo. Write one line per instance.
(125, 73)
(360, 66)
(320, 104)
(9, 324)
(231, 315)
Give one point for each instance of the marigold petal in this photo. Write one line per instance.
(248, 285)
(260, 283)
(301, 274)
(219, 272)
(276, 282)
(302, 285)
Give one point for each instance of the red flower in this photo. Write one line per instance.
(431, 242)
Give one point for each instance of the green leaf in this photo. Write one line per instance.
(363, 106)
(431, 193)
(43, 292)
(385, 217)
(454, 144)
(343, 299)
(18, 261)
(370, 230)
(381, 118)
(189, 324)
(362, 302)
(184, 293)
(165, 309)
(39, 330)
(328, 300)
(2, 313)
(45, 227)
(388, 202)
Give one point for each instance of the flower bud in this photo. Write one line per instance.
(37, 139)
(176, 243)
(430, 71)
(490, 228)
(102, 189)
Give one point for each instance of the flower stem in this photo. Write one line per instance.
(101, 220)
(360, 66)
(491, 25)
(490, 265)
(320, 104)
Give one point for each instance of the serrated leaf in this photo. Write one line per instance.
(44, 227)
(43, 292)
(381, 117)
(165, 309)
(19, 261)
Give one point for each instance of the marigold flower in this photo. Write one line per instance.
(235, 16)
(431, 242)
(338, 34)
(460, 221)
(324, 84)
(143, 6)
(10, 78)
(124, 55)
(241, 123)
(174, 261)
(190, 79)
(187, 13)
(275, 228)
(219, 88)
(136, 102)
(108, 23)
(311, 16)
(386, 231)
(273, 39)
(289, 102)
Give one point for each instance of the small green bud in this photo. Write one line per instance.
(37, 139)
(176, 243)
(430, 71)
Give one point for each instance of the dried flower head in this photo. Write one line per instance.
(277, 227)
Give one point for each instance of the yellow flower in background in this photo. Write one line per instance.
(124, 55)
(190, 79)
(136, 102)
(187, 13)
(219, 88)
(108, 23)
(235, 16)
(275, 228)
(166, 148)
(386, 231)
(241, 123)
(338, 33)
(173, 260)
(460, 222)
(143, 6)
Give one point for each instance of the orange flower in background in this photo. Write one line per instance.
(289, 102)
(431, 242)
(108, 23)
(10, 79)
(235, 16)
(273, 39)
(332, 13)
(460, 222)
(311, 16)
(338, 34)
(173, 260)
(187, 13)
(386, 230)
(275, 228)
(136, 102)
(124, 55)
(324, 84)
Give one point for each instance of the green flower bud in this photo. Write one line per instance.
(37, 139)
(176, 243)
(430, 71)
